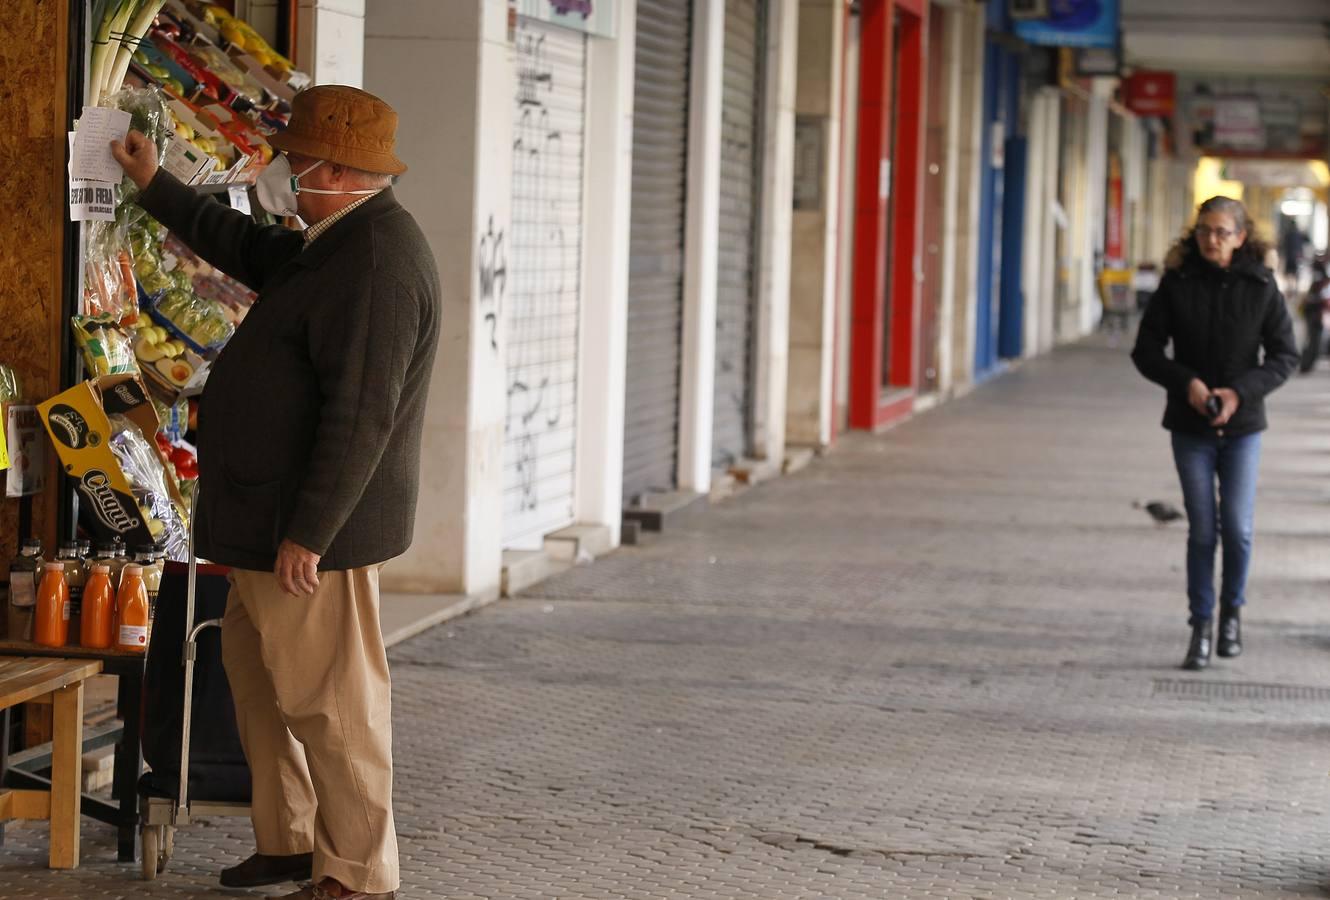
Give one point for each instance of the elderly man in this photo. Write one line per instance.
(309, 452)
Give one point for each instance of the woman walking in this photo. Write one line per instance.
(1220, 307)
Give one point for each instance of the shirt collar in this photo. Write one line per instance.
(313, 232)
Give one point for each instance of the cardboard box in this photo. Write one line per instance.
(77, 421)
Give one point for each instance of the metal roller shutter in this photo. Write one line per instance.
(739, 189)
(544, 286)
(655, 281)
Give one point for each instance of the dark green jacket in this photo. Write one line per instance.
(310, 423)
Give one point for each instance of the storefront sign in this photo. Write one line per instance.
(1238, 123)
(1094, 62)
(592, 16)
(1253, 117)
(27, 458)
(1151, 93)
(1073, 23)
(1027, 9)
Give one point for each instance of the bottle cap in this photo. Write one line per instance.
(133, 571)
(101, 569)
(55, 567)
(33, 544)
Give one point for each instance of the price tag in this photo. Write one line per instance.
(184, 161)
(239, 196)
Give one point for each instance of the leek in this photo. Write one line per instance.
(106, 46)
(137, 28)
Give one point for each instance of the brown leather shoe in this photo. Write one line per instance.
(262, 869)
(324, 891)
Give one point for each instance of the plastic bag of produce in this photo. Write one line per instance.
(143, 469)
(174, 418)
(106, 350)
(203, 321)
(10, 392)
(145, 245)
(147, 114)
(109, 290)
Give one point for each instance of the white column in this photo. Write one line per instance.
(604, 323)
(1135, 176)
(1096, 187)
(775, 231)
(450, 78)
(831, 182)
(955, 24)
(1033, 248)
(810, 363)
(330, 39)
(1049, 239)
(968, 166)
(847, 186)
(701, 237)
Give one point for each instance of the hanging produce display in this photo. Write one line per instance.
(208, 91)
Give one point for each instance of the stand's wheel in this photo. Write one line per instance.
(168, 847)
(151, 851)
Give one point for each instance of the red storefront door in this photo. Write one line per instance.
(884, 343)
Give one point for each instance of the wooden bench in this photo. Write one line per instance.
(27, 678)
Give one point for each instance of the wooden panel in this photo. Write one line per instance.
(66, 777)
(33, 123)
(28, 805)
(26, 678)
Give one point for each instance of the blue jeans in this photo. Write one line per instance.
(1201, 459)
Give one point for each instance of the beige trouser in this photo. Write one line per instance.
(310, 680)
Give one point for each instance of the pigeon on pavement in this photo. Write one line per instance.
(1161, 512)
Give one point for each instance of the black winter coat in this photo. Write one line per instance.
(1220, 321)
(310, 424)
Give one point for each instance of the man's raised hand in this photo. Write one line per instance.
(137, 156)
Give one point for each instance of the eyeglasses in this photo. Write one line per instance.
(1223, 234)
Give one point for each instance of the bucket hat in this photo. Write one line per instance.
(345, 125)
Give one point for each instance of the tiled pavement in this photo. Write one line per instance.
(937, 663)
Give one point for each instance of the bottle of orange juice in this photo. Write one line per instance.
(131, 611)
(51, 628)
(97, 629)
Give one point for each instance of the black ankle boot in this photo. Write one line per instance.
(1230, 634)
(1198, 652)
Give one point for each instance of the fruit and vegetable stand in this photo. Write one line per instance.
(207, 90)
(144, 317)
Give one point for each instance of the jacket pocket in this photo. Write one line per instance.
(245, 517)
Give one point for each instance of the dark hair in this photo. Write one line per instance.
(1252, 251)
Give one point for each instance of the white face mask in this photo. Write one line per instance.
(277, 187)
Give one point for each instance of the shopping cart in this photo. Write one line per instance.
(219, 777)
(1118, 297)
